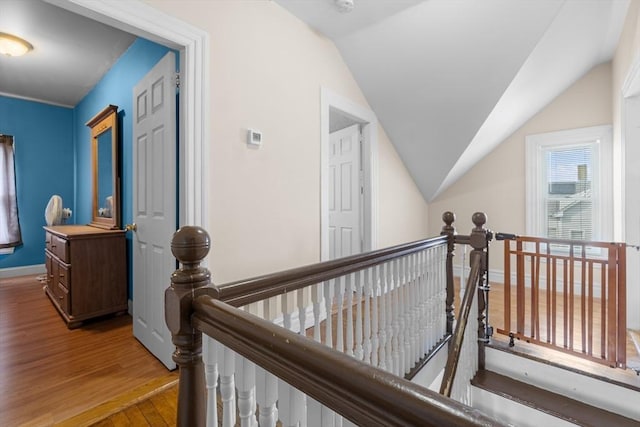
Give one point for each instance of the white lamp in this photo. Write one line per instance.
(11, 45)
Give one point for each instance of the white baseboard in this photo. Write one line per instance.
(22, 271)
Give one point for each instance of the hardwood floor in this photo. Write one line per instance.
(49, 373)
(96, 375)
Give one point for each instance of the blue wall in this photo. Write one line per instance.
(115, 88)
(44, 164)
(53, 142)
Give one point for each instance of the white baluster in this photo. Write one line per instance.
(359, 278)
(375, 300)
(291, 405)
(396, 343)
(366, 345)
(302, 309)
(349, 291)
(382, 321)
(328, 301)
(414, 301)
(210, 356)
(228, 388)
(288, 306)
(424, 303)
(266, 396)
(316, 299)
(246, 385)
(389, 316)
(340, 320)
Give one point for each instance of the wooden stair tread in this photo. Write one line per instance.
(549, 402)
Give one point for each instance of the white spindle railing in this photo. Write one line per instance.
(389, 315)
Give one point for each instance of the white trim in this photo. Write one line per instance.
(629, 207)
(328, 100)
(533, 165)
(22, 271)
(146, 21)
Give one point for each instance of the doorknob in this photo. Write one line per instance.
(131, 227)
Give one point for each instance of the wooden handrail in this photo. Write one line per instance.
(458, 336)
(362, 393)
(479, 240)
(244, 292)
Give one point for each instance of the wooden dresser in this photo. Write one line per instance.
(86, 271)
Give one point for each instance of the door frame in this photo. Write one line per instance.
(143, 20)
(369, 122)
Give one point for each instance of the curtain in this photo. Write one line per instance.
(10, 235)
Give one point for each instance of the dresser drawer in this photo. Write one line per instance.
(64, 275)
(62, 294)
(60, 248)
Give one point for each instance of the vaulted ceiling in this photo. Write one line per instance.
(450, 79)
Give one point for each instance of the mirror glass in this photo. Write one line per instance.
(106, 189)
(105, 174)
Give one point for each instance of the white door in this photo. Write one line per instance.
(344, 192)
(154, 204)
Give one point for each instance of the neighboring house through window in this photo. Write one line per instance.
(569, 184)
(9, 226)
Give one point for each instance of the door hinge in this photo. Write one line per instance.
(177, 80)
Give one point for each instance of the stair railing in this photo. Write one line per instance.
(365, 315)
(568, 295)
(466, 349)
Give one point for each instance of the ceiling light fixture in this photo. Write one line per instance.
(11, 45)
(344, 6)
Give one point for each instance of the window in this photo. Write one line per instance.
(9, 226)
(569, 186)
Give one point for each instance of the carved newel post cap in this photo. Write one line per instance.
(190, 244)
(448, 217)
(479, 219)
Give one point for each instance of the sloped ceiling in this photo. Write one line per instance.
(450, 79)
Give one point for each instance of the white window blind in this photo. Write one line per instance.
(569, 190)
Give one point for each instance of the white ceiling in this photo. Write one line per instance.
(71, 53)
(450, 79)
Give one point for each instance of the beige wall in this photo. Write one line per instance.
(267, 68)
(496, 184)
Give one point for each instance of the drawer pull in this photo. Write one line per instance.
(53, 246)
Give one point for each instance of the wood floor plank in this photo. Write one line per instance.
(50, 373)
(151, 414)
(135, 416)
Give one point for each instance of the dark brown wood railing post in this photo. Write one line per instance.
(190, 245)
(449, 230)
(479, 241)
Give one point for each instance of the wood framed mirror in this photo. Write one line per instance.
(105, 210)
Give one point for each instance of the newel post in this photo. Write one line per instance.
(190, 245)
(479, 241)
(449, 230)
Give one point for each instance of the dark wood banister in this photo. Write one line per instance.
(478, 262)
(190, 245)
(366, 395)
(455, 346)
(244, 292)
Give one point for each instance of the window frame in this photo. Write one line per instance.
(602, 170)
